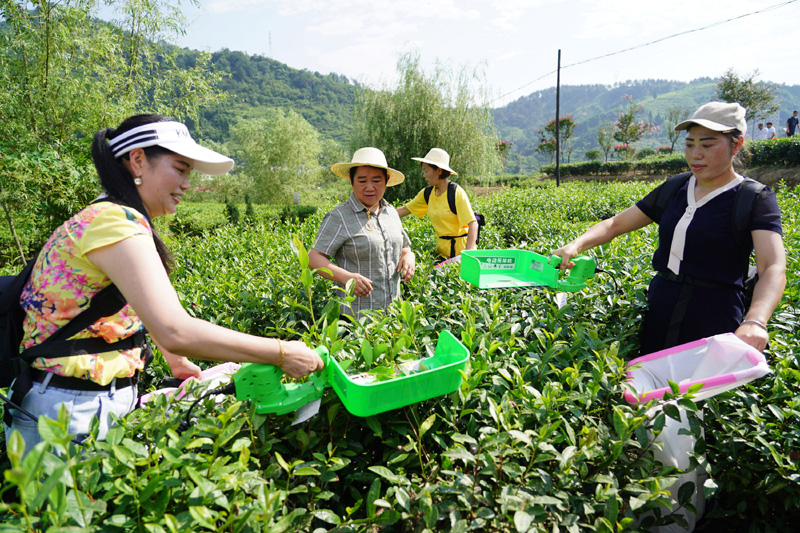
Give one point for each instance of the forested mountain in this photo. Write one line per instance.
(253, 83)
(593, 106)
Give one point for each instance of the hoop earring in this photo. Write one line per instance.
(138, 181)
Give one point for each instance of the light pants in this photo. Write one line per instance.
(83, 406)
(677, 449)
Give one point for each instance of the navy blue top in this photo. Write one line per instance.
(712, 252)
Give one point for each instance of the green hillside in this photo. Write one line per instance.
(594, 105)
(254, 83)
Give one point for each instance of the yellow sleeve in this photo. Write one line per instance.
(108, 225)
(418, 206)
(464, 208)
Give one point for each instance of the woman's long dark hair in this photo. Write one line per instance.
(118, 182)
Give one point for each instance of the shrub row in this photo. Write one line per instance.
(784, 151)
(776, 152)
(650, 165)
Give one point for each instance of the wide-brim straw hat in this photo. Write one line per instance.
(368, 157)
(717, 116)
(438, 158)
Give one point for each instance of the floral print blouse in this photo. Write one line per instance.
(63, 282)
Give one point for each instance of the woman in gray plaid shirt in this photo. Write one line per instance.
(364, 235)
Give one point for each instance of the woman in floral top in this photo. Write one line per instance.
(144, 167)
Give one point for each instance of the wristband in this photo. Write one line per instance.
(283, 354)
(756, 322)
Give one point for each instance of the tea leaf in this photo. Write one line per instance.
(366, 352)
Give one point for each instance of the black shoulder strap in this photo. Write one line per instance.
(668, 190)
(427, 193)
(451, 196)
(105, 303)
(743, 204)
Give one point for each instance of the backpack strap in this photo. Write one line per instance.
(107, 302)
(427, 193)
(451, 196)
(744, 203)
(668, 190)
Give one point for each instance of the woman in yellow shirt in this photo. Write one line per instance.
(457, 230)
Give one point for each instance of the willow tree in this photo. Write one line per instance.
(279, 154)
(64, 74)
(445, 109)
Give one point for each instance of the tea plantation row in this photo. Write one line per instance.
(538, 437)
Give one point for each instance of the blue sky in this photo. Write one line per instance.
(513, 42)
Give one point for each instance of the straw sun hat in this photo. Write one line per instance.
(438, 158)
(368, 157)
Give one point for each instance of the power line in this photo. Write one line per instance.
(770, 8)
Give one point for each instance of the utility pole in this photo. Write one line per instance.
(558, 130)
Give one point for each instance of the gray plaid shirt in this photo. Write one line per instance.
(366, 244)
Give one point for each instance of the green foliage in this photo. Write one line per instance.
(537, 438)
(232, 212)
(64, 75)
(87, 74)
(673, 164)
(627, 129)
(645, 153)
(255, 83)
(784, 151)
(675, 115)
(547, 136)
(758, 98)
(39, 189)
(277, 153)
(605, 139)
(595, 106)
(296, 213)
(594, 154)
(249, 212)
(424, 111)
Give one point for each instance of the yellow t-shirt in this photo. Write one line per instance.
(444, 222)
(62, 283)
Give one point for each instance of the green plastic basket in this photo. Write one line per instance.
(495, 269)
(442, 377)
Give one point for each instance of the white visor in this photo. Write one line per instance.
(173, 136)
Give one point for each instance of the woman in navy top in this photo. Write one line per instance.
(700, 261)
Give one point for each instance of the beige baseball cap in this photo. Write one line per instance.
(717, 116)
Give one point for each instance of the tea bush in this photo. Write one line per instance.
(537, 438)
(673, 164)
(775, 152)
